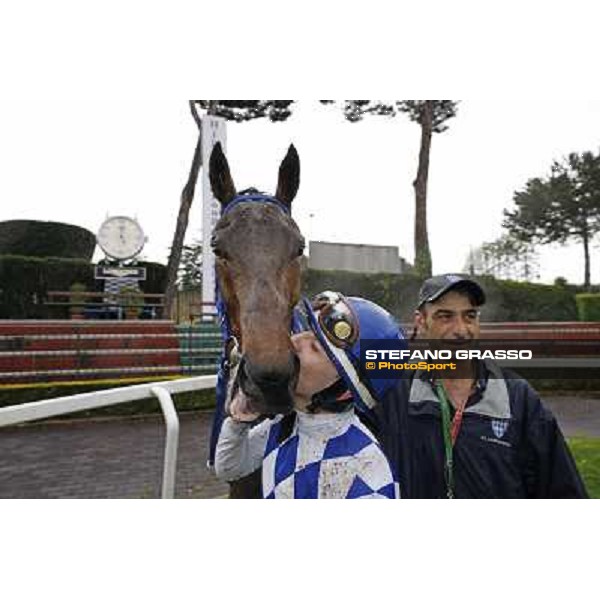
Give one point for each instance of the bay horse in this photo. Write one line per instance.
(258, 248)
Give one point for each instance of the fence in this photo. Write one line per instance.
(32, 411)
(107, 305)
(37, 352)
(42, 352)
(186, 308)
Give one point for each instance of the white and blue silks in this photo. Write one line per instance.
(327, 455)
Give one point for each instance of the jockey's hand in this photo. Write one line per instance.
(239, 408)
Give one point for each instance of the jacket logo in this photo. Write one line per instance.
(499, 427)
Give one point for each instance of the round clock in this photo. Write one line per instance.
(121, 237)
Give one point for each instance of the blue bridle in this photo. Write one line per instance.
(255, 197)
(225, 326)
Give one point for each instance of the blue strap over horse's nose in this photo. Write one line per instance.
(255, 198)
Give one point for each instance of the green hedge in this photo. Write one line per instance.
(524, 301)
(396, 293)
(506, 300)
(588, 307)
(25, 281)
(46, 238)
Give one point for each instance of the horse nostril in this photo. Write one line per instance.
(267, 375)
(280, 379)
(271, 388)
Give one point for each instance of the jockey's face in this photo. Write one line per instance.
(317, 372)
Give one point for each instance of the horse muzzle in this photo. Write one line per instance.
(271, 391)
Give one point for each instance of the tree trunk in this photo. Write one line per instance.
(422, 253)
(586, 252)
(187, 196)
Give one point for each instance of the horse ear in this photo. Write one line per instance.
(289, 176)
(221, 182)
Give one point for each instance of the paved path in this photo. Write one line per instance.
(122, 458)
(577, 416)
(116, 458)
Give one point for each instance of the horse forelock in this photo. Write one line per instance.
(258, 234)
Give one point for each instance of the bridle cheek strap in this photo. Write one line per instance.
(362, 391)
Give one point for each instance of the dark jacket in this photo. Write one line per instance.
(509, 445)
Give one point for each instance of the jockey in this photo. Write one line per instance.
(322, 449)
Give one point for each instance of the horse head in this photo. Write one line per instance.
(258, 248)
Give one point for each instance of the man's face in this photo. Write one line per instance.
(451, 317)
(317, 372)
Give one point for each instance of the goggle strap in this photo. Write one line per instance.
(340, 355)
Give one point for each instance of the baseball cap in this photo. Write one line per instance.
(435, 287)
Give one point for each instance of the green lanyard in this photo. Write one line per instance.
(449, 462)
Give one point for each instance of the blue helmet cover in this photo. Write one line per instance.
(374, 323)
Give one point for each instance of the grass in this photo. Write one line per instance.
(586, 452)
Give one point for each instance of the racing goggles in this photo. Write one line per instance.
(336, 319)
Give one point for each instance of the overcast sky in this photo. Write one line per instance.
(77, 162)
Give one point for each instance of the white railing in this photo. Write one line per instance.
(162, 390)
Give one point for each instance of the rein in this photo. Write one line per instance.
(230, 354)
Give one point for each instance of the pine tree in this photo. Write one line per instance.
(562, 206)
(431, 115)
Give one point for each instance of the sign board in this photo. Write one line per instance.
(108, 272)
(213, 131)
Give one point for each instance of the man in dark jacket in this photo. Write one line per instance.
(483, 435)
